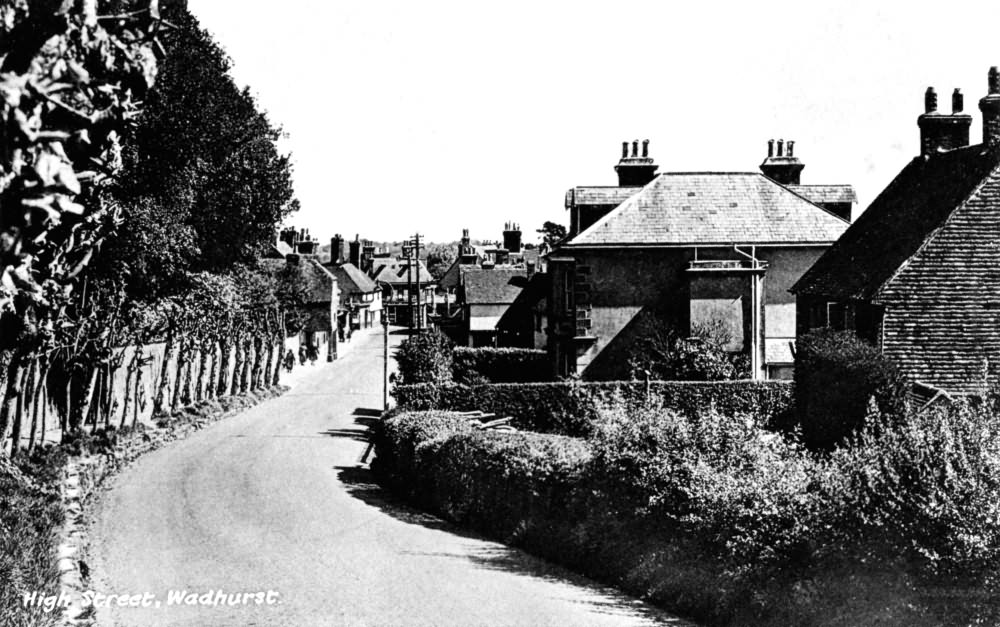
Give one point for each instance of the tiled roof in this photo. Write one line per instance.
(352, 280)
(896, 224)
(492, 286)
(317, 279)
(825, 193)
(599, 195)
(396, 272)
(712, 208)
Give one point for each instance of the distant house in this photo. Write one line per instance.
(407, 289)
(524, 323)
(360, 297)
(485, 295)
(683, 250)
(918, 274)
(320, 296)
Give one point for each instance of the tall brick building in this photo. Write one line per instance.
(917, 274)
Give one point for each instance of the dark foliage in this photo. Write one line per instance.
(425, 357)
(837, 376)
(500, 365)
(572, 407)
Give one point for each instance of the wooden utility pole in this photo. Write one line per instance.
(416, 248)
(385, 362)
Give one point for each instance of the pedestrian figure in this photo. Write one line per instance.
(313, 353)
(289, 360)
(302, 355)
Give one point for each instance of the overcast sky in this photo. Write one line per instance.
(436, 116)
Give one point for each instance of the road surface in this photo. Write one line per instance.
(274, 500)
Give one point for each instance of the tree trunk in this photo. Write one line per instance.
(213, 372)
(15, 374)
(78, 415)
(258, 362)
(36, 397)
(127, 401)
(27, 387)
(245, 374)
(182, 360)
(237, 364)
(282, 334)
(135, 409)
(225, 355)
(161, 387)
(199, 386)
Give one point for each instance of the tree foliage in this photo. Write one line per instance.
(552, 233)
(662, 353)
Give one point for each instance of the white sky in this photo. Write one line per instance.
(435, 116)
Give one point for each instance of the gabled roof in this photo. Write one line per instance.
(826, 193)
(896, 224)
(352, 280)
(396, 272)
(704, 208)
(493, 286)
(317, 280)
(529, 300)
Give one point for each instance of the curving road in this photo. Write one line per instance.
(275, 500)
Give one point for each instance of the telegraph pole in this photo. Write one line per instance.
(385, 362)
(416, 248)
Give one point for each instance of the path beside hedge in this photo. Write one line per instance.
(274, 499)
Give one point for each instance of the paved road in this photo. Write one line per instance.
(274, 500)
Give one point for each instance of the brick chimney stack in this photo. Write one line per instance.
(635, 170)
(990, 106)
(512, 237)
(784, 168)
(354, 254)
(337, 255)
(940, 132)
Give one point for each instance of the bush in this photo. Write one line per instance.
(570, 408)
(714, 516)
(664, 353)
(500, 365)
(836, 376)
(425, 358)
(396, 439)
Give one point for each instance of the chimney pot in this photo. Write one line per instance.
(635, 148)
(645, 148)
(994, 80)
(781, 147)
(791, 146)
(770, 148)
(624, 150)
(930, 100)
(957, 101)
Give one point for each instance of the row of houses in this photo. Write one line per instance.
(770, 258)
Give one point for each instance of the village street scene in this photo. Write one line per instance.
(448, 315)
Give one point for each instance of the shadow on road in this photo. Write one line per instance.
(364, 418)
(360, 483)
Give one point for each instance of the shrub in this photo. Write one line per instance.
(500, 365)
(836, 376)
(570, 408)
(396, 439)
(663, 353)
(425, 358)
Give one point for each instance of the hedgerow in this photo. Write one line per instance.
(570, 408)
(714, 516)
(500, 365)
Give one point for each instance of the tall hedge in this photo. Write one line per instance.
(500, 365)
(425, 357)
(570, 408)
(837, 377)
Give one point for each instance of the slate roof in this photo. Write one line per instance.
(395, 272)
(352, 280)
(893, 228)
(705, 208)
(599, 195)
(493, 286)
(825, 193)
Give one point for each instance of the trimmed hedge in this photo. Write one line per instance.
(500, 365)
(729, 523)
(570, 408)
